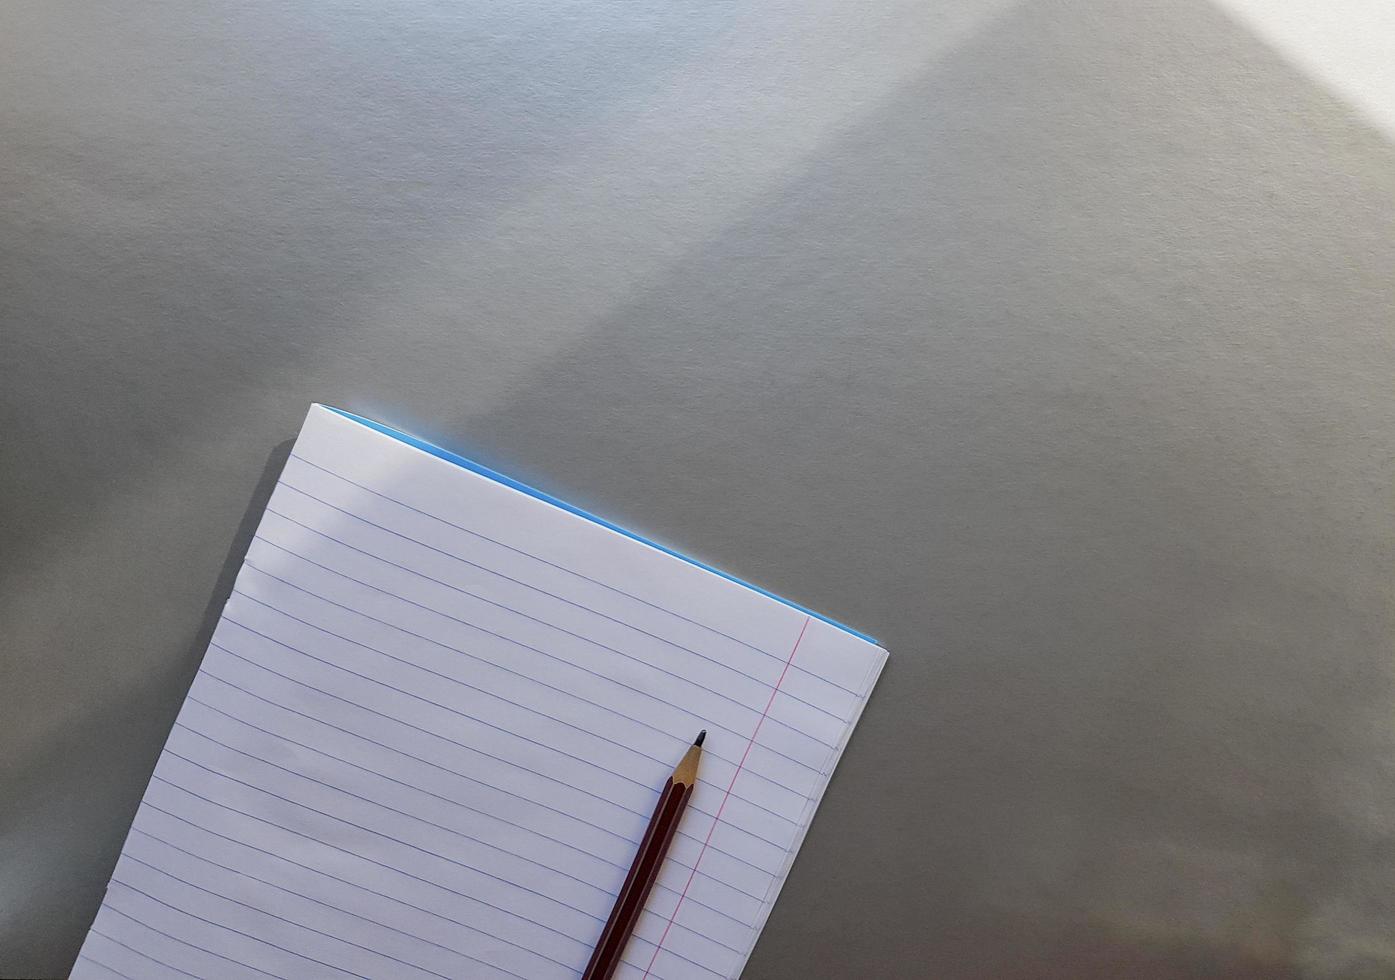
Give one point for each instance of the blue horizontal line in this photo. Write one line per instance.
(509, 481)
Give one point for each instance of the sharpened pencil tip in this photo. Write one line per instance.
(701, 735)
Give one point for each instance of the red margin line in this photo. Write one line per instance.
(718, 818)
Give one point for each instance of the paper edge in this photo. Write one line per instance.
(874, 673)
(481, 470)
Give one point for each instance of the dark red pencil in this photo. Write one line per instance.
(635, 892)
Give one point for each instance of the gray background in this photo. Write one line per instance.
(1049, 342)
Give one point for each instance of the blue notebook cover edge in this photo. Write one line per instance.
(508, 481)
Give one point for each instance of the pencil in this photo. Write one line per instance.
(635, 892)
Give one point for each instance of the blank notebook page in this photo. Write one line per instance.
(431, 726)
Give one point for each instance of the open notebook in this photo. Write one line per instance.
(432, 723)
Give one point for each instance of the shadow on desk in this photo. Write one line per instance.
(65, 777)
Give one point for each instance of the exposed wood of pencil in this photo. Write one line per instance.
(645, 869)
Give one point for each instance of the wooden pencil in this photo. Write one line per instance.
(645, 869)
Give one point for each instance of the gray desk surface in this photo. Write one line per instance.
(1049, 342)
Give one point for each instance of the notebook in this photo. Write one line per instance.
(432, 723)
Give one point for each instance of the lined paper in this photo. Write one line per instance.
(431, 726)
